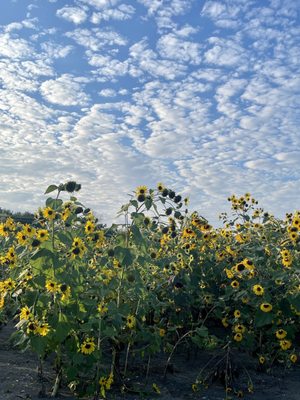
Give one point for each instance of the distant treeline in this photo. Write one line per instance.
(25, 217)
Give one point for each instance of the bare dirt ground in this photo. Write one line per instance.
(19, 379)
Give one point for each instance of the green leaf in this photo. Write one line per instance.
(54, 203)
(124, 255)
(202, 332)
(38, 344)
(261, 318)
(295, 301)
(62, 331)
(148, 203)
(134, 203)
(50, 189)
(64, 238)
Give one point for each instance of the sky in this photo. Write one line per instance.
(201, 95)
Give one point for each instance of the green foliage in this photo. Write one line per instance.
(95, 295)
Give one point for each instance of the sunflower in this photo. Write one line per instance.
(32, 327)
(88, 346)
(229, 273)
(266, 307)
(285, 344)
(239, 328)
(262, 359)
(25, 313)
(237, 314)
(29, 230)
(258, 290)
(11, 255)
(22, 238)
(4, 230)
(43, 329)
(235, 284)
(102, 308)
(162, 332)
(42, 235)
(77, 251)
(160, 187)
(296, 222)
(65, 214)
(77, 242)
(293, 358)
(156, 388)
(238, 337)
(51, 286)
(281, 334)
(131, 321)
(66, 292)
(141, 191)
(89, 227)
(225, 322)
(49, 213)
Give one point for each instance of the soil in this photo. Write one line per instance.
(19, 378)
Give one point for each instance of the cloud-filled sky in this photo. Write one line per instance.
(201, 95)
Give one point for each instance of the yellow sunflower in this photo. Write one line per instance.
(49, 213)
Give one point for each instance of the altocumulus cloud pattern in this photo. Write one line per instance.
(200, 95)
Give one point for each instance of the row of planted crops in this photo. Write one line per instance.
(100, 298)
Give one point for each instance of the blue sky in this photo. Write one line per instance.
(203, 96)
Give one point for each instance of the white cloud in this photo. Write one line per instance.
(55, 50)
(107, 93)
(96, 39)
(213, 9)
(100, 4)
(15, 48)
(72, 14)
(226, 53)
(66, 90)
(147, 60)
(171, 46)
(206, 109)
(121, 13)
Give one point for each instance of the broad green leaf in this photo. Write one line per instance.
(263, 318)
(50, 189)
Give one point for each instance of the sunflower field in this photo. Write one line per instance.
(95, 299)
